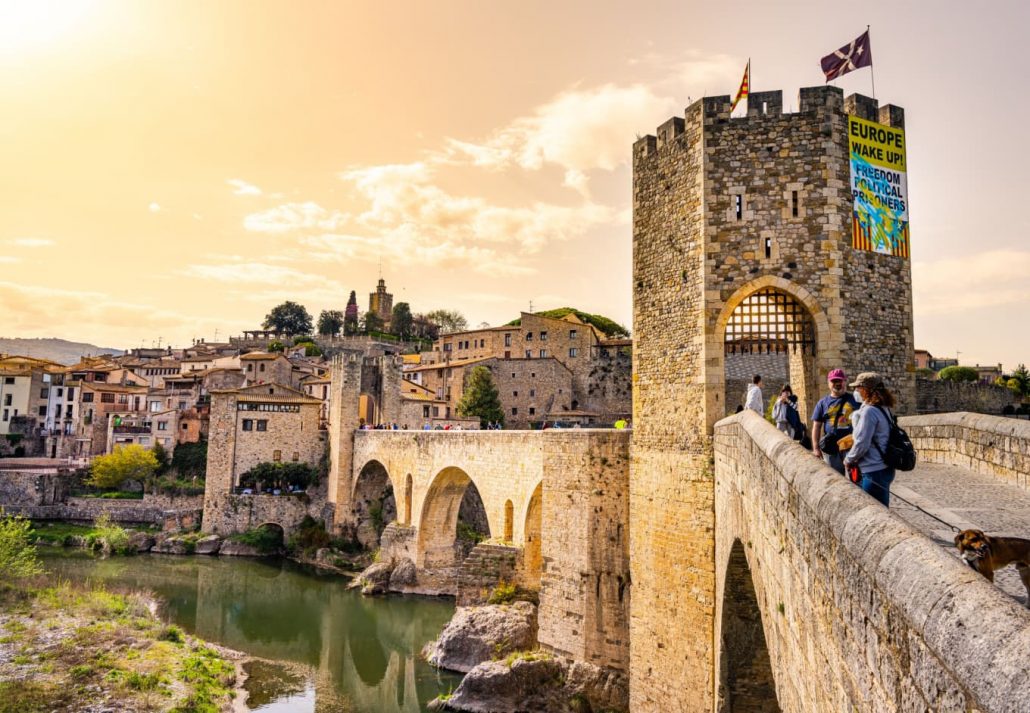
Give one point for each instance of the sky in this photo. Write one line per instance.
(172, 170)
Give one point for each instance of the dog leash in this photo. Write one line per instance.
(928, 514)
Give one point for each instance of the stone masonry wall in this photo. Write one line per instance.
(859, 611)
(695, 259)
(29, 488)
(226, 514)
(991, 445)
(585, 585)
(938, 396)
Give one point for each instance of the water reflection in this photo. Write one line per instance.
(362, 653)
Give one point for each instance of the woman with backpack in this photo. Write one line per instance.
(872, 423)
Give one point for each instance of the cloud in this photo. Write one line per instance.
(294, 216)
(9, 260)
(994, 278)
(154, 207)
(32, 242)
(34, 310)
(580, 130)
(256, 273)
(243, 188)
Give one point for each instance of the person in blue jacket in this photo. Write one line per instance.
(872, 423)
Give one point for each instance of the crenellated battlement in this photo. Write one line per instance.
(769, 105)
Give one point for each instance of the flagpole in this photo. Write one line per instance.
(872, 71)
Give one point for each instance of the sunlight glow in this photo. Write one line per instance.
(33, 24)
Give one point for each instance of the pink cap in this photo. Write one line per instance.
(837, 374)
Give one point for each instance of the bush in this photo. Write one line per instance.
(127, 462)
(170, 485)
(172, 633)
(109, 537)
(266, 540)
(309, 537)
(280, 475)
(958, 373)
(926, 373)
(276, 346)
(17, 553)
(189, 460)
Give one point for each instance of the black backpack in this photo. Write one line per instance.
(900, 454)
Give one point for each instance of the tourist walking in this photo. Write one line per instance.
(785, 410)
(754, 399)
(872, 431)
(831, 420)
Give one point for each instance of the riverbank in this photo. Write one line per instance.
(87, 649)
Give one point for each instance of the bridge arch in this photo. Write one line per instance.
(532, 555)
(373, 503)
(774, 327)
(452, 496)
(746, 682)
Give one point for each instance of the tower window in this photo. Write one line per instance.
(794, 203)
(768, 247)
(738, 206)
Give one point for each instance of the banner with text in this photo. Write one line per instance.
(879, 184)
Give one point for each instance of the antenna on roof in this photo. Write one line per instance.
(531, 306)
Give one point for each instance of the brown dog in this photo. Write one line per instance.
(988, 554)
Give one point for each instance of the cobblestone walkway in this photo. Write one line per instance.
(967, 500)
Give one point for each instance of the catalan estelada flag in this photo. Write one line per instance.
(745, 84)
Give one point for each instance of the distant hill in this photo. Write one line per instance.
(609, 327)
(60, 350)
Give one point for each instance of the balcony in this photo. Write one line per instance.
(132, 429)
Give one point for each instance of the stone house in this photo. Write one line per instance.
(257, 424)
(144, 429)
(266, 368)
(97, 403)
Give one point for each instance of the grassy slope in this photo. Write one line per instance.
(65, 648)
(609, 327)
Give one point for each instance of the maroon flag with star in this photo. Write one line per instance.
(848, 58)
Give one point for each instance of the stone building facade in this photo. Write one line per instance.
(256, 424)
(730, 213)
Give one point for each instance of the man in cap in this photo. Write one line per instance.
(831, 420)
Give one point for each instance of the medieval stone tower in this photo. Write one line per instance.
(772, 241)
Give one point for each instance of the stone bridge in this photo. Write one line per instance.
(551, 505)
(822, 599)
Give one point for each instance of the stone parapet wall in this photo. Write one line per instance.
(151, 510)
(860, 612)
(227, 514)
(31, 488)
(992, 445)
(938, 396)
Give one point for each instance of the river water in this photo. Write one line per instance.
(349, 653)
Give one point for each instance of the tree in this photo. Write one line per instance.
(289, 318)
(373, 323)
(480, 398)
(330, 322)
(449, 320)
(276, 346)
(131, 462)
(1021, 377)
(350, 316)
(401, 321)
(161, 456)
(958, 373)
(17, 553)
(190, 459)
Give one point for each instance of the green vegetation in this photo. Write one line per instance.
(190, 460)
(162, 457)
(480, 398)
(280, 476)
(449, 320)
(91, 536)
(86, 647)
(958, 373)
(108, 537)
(401, 320)
(289, 318)
(469, 534)
(274, 347)
(535, 655)
(309, 537)
(503, 593)
(266, 540)
(17, 553)
(127, 462)
(1019, 381)
(609, 327)
(926, 373)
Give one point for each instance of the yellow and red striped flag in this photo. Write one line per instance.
(745, 84)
